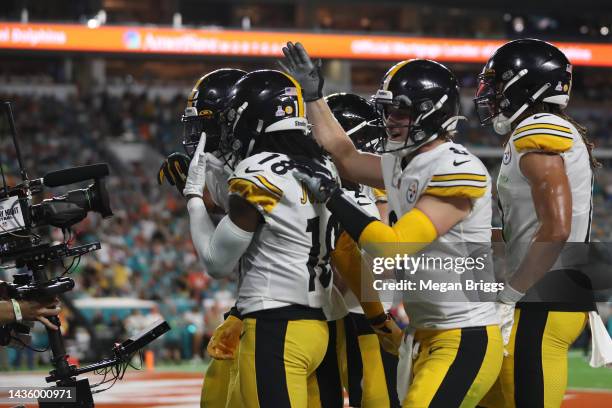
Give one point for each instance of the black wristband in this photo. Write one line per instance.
(232, 312)
(352, 218)
(378, 320)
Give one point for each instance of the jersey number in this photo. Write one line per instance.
(315, 259)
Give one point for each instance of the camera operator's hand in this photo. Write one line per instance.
(34, 310)
(174, 169)
(196, 177)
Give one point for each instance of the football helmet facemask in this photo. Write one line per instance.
(205, 104)
(519, 74)
(418, 101)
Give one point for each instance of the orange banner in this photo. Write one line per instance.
(125, 39)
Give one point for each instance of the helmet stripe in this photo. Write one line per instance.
(300, 97)
(392, 72)
(194, 92)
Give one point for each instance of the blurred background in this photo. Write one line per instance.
(107, 80)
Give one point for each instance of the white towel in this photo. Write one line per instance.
(601, 343)
(404, 365)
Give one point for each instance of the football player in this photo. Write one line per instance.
(280, 234)
(438, 191)
(368, 371)
(545, 196)
(205, 105)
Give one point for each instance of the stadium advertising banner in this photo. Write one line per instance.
(145, 40)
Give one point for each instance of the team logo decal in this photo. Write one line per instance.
(411, 193)
(507, 155)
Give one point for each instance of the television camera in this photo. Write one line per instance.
(22, 247)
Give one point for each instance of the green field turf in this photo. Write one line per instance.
(581, 375)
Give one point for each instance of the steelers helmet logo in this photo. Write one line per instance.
(411, 193)
(288, 109)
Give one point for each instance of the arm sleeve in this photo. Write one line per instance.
(414, 230)
(346, 259)
(378, 238)
(218, 248)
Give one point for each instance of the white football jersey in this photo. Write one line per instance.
(544, 133)
(287, 262)
(217, 174)
(447, 170)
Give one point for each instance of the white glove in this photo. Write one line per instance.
(196, 176)
(505, 311)
(506, 301)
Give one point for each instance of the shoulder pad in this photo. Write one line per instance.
(253, 181)
(543, 132)
(458, 173)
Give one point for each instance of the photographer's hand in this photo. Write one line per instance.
(34, 310)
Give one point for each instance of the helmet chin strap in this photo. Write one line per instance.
(502, 125)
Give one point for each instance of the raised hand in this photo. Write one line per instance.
(174, 169)
(196, 175)
(298, 64)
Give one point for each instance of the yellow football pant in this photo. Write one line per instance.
(369, 374)
(454, 368)
(534, 373)
(220, 384)
(278, 361)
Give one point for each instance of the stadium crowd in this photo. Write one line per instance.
(146, 249)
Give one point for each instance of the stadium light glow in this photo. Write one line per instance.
(218, 42)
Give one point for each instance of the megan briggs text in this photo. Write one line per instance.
(442, 287)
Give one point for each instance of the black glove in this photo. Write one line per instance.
(298, 64)
(317, 180)
(174, 169)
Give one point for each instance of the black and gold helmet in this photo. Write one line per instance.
(205, 104)
(521, 73)
(261, 104)
(358, 118)
(420, 98)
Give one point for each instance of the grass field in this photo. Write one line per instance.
(581, 375)
(179, 385)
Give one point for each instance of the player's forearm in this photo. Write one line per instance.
(219, 249)
(346, 259)
(362, 168)
(542, 254)
(327, 131)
